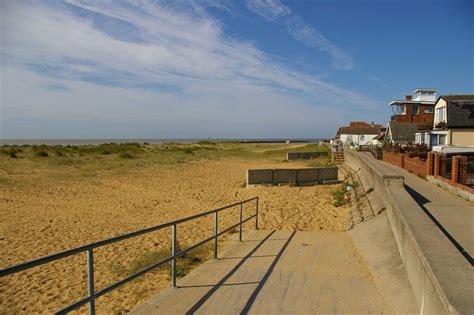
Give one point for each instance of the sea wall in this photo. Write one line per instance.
(305, 155)
(300, 176)
(389, 192)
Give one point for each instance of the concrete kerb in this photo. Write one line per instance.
(390, 192)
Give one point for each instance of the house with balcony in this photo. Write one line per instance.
(453, 123)
(412, 118)
(416, 108)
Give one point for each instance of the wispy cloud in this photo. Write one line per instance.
(168, 69)
(274, 10)
(378, 81)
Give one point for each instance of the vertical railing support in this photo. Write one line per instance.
(256, 216)
(216, 222)
(90, 280)
(173, 253)
(240, 221)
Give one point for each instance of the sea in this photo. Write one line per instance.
(150, 141)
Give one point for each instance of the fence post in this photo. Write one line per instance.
(173, 253)
(436, 164)
(455, 169)
(429, 163)
(462, 178)
(216, 222)
(256, 215)
(90, 280)
(240, 227)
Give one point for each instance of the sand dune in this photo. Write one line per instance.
(51, 215)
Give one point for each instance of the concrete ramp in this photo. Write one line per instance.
(277, 272)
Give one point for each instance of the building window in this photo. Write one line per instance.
(416, 108)
(428, 110)
(441, 114)
(442, 139)
(402, 110)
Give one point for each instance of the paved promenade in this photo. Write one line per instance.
(443, 226)
(280, 272)
(454, 213)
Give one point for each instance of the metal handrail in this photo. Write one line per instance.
(89, 248)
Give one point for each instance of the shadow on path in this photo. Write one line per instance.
(260, 285)
(421, 201)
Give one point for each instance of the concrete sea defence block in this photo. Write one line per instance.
(300, 176)
(284, 176)
(262, 176)
(328, 173)
(310, 175)
(305, 155)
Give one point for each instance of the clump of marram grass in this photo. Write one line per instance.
(42, 153)
(184, 264)
(206, 142)
(126, 155)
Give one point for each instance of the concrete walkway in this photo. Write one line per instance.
(442, 225)
(454, 213)
(280, 272)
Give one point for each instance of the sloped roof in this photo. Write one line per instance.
(403, 131)
(461, 114)
(458, 97)
(359, 130)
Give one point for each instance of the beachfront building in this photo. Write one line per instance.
(416, 108)
(453, 123)
(401, 133)
(412, 118)
(358, 133)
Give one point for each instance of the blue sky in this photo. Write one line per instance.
(222, 68)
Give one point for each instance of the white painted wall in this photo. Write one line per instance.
(357, 139)
(429, 96)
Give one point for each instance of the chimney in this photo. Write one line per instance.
(408, 98)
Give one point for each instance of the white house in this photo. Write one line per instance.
(358, 133)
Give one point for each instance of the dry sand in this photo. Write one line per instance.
(50, 215)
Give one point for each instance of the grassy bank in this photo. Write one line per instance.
(88, 161)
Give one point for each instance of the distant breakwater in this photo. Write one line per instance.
(150, 141)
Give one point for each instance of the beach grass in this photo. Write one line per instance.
(88, 161)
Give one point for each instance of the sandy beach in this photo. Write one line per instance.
(45, 211)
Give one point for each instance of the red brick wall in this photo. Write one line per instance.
(393, 158)
(414, 164)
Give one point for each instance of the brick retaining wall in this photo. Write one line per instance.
(411, 164)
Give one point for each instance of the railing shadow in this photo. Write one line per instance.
(260, 283)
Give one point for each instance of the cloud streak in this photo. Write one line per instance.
(275, 11)
(171, 72)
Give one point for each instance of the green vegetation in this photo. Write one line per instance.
(83, 162)
(184, 264)
(339, 194)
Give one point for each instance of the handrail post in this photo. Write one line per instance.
(256, 215)
(90, 280)
(173, 253)
(240, 227)
(216, 221)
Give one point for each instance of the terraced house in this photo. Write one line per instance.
(453, 123)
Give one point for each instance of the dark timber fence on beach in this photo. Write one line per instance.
(297, 176)
(305, 155)
(93, 294)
